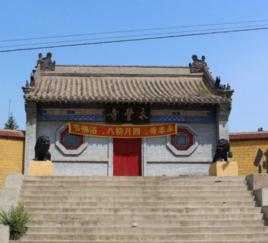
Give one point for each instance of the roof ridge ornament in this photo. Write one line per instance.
(198, 65)
(27, 88)
(29, 85)
(220, 86)
(46, 63)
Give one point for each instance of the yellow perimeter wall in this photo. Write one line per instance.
(245, 151)
(11, 156)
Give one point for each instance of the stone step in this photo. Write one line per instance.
(134, 178)
(138, 183)
(130, 204)
(146, 210)
(144, 230)
(141, 209)
(90, 187)
(119, 193)
(131, 180)
(224, 188)
(130, 241)
(156, 237)
(145, 223)
(148, 217)
(136, 198)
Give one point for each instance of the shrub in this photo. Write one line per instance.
(16, 218)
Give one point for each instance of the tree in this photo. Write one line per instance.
(11, 123)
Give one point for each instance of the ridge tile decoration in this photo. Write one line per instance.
(122, 131)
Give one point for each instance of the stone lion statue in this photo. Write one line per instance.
(41, 148)
(222, 150)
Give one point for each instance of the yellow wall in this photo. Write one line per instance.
(244, 152)
(11, 156)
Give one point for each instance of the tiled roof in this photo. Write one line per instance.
(11, 134)
(243, 136)
(108, 84)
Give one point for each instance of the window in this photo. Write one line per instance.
(184, 143)
(69, 144)
(70, 141)
(183, 140)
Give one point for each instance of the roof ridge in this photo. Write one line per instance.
(138, 66)
(109, 74)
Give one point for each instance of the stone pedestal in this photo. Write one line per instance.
(257, 181)
(223, 168)
(41, 168)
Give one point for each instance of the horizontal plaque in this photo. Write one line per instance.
(122, 131)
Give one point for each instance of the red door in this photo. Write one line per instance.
(127, 157)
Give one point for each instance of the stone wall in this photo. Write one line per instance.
(157, 158)
(160, 160)
(95, 159)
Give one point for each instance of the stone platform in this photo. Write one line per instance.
(41, 168)
(223, 168)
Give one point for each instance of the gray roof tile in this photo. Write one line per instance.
(102, 84)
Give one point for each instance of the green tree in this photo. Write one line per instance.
(11, 123)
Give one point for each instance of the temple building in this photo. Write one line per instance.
(126, 120)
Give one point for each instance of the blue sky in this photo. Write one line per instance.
(239, 59)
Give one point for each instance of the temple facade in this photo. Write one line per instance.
(126, 120)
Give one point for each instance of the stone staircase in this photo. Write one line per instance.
(141, 209)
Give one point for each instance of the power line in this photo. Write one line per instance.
(126, 36)
(133, 30)
(136, 39)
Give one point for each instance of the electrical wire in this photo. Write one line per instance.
(134, 30)
(136, 39)
(124, 36)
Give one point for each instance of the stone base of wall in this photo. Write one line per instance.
(81, 168)
(174, 169)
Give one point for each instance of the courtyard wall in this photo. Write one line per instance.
(249, 148)
(11, 153)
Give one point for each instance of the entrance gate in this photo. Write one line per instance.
(127, 157)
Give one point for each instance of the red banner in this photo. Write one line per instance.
(122, 131)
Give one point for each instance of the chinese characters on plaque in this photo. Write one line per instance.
(122, 131)
(127, 113)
